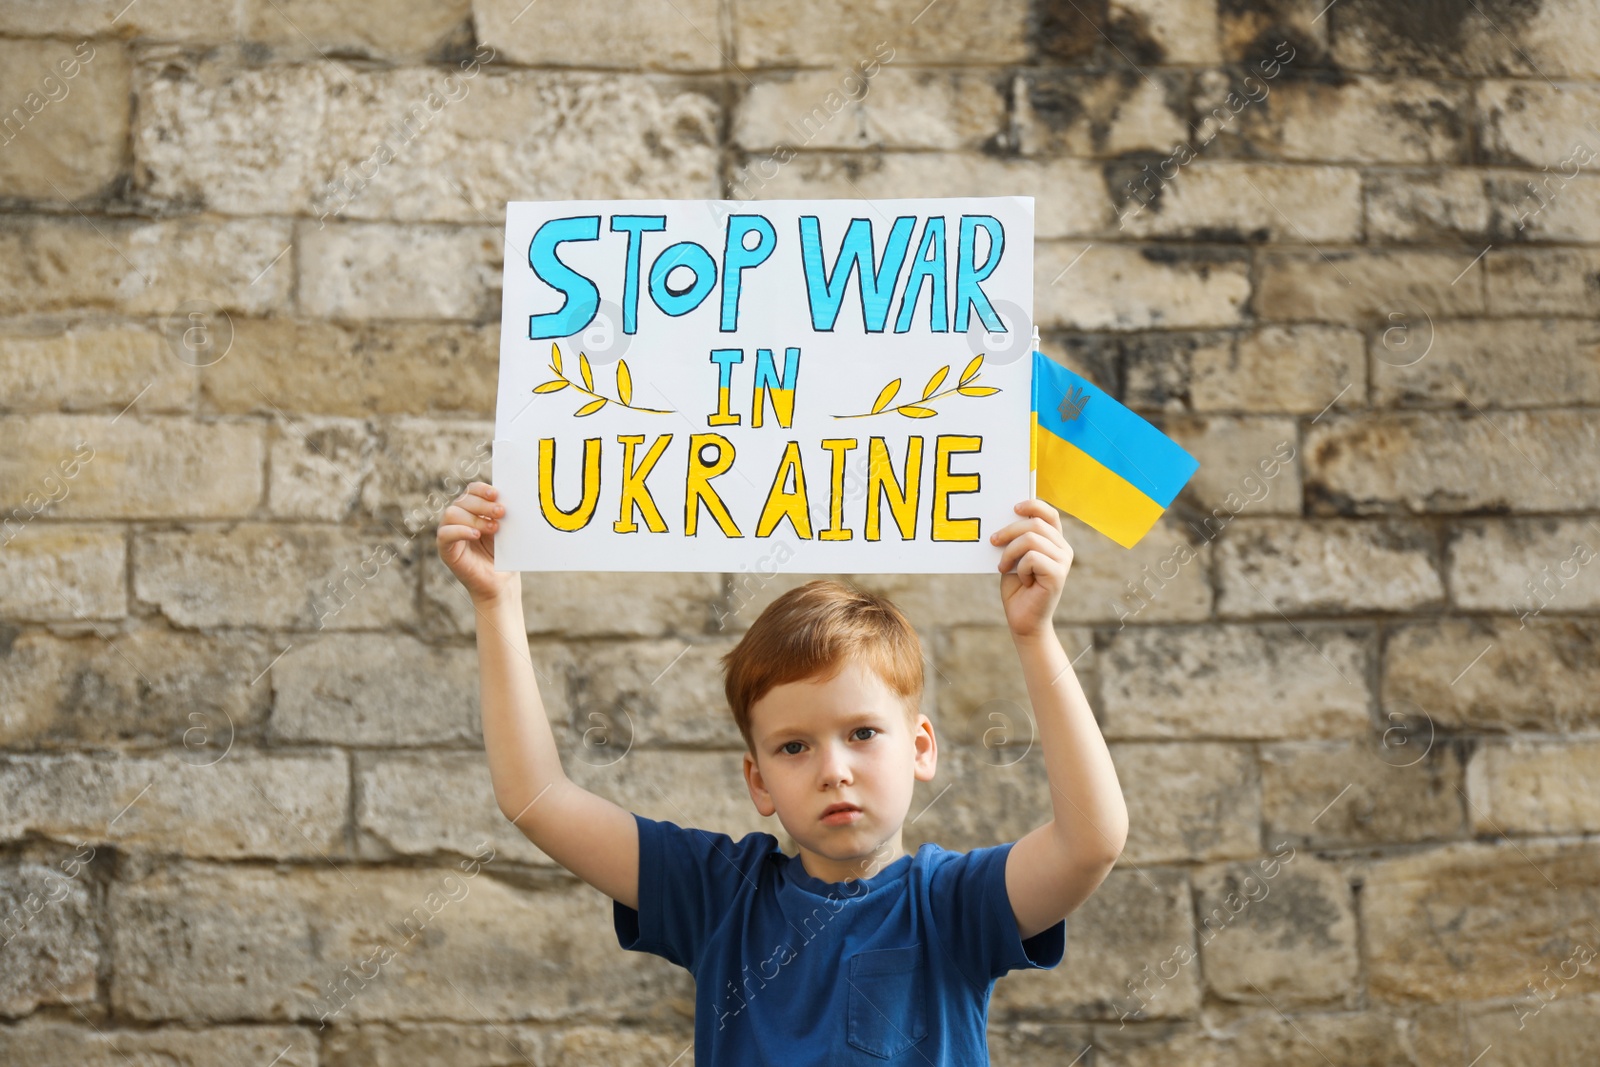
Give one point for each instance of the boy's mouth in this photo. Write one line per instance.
(839, 814)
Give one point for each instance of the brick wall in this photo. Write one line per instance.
(1347, 254)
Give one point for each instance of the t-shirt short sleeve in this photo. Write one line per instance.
(689, 881)
(967, 894)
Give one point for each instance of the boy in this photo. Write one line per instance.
(852, 951)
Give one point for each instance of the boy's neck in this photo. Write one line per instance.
(845, 870)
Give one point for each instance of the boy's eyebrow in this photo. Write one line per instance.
(857, 719)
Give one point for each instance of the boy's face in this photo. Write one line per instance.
(844, 740)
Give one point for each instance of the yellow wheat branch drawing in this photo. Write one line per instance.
(561, 381)
(918, 409)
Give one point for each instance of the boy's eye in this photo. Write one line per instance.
(874, 730)
(784, 748)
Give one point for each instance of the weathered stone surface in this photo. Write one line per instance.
(1550, 40)
(1279, 931)
(1487, 674)
(228, 803)
(902, 31)
(367, 689)
(1245, 201)
(51, 950)
(1235, 682)
(419, 466)
(357, 271)
(82, 366)
(946, 109)
(356, 27)
(1189, 801)
(55, 571)
(1540, 125)
(1547, 1023)
(1505, 363)
(683, 36)
(1426, 206)
(979, 796)
(209, 942)
(336, 142)
(1163, 578)
(1526, 566)
(1107, 113)
(80, 1043)
(302, 366)
(132, 468)
(1298, 369)
(167, 20)
(1453, 462)
(150, 268)
(318, 468)
(666, 692)
(1202, 287)
(67, 122)
(300, 577)
(1522, 786)
(1247, 464)
(1399, 786)
(1069, 194)
(1367, 1039)
(980, 694)
(1564, 207)
(1271, 567)
(1356, 119)
(147, 685)
(448, 1044)
(1366, 288)
(1547, 281)
(1438, 927)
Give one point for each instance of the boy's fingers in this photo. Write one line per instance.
(477, 505)
(1027, 542)
(1035, 525)
(483, 489)
(1041, 509)
(455, 513)
(450, 534)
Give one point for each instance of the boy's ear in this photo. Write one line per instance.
(758, 788)
(927, 745)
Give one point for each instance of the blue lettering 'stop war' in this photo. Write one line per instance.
(790, 969)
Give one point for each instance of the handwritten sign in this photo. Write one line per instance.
(817, 386)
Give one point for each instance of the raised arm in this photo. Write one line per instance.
(588, 835)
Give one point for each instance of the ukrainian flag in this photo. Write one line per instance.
(1096, 460)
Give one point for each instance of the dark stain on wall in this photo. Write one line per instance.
(1086, 32)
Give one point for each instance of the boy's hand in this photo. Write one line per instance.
(466, 542)
(1036, 547)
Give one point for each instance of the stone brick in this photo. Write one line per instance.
(1246, 201)
(1402, 786)
(1546, 1024)
(1108, 113)
(349, 27)
(1507, 363)
(1235, 682)
(1426, 463)
(1279, 931)
(419, 466)
(366, 689)
(980, 696)
(167, 20)
(1548, 41)
(332, 141)
(51, 572)
(1525, 566)
(208, 943)
(437, 1044)
(1365, 287)
(68, 119)
(230, 803)
(1069, 194)
(355, 370)
(978, 797)
(1549, 281)
(1156, 369)
(133, 468)
(1201, 287)
(896, 109)
(1246, 463)
(589, 603)
(1438, 927)
(360, 271)
(1189, 801)
(1432, 206)
(277, 576)
(1354, 119)
(318, 468)
(1487, 675)
(1525, 786)
(683, 36)
(142, 267)
(904, 31)
(666, 692)
(1019, 1043)
(1290, 32)
(1264, 1039)
(82, 366)
(146, 685)
(1164, 578)
(1532, 123)
(49, 1043)
(51, 949)
(1327, 567)
(1290, 369)
(1544, 207)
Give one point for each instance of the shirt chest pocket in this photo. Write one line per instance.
(887, 1010)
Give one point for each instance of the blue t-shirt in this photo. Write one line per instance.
(792, 971)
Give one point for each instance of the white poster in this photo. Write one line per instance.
(817, 386)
